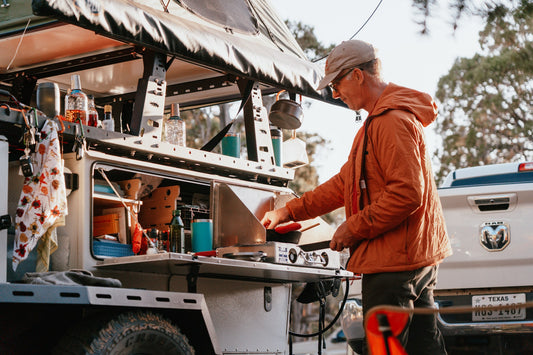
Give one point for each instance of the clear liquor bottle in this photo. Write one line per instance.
(175, 131)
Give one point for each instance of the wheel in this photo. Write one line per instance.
(127, 333)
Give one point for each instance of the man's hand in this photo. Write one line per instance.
(342, 238)
(273, 218)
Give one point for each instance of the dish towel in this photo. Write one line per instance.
(43, 198)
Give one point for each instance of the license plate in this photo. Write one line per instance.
(483, 314)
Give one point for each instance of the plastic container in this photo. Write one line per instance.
(294, 153)
(111, 249)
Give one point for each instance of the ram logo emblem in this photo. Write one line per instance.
(495, 236)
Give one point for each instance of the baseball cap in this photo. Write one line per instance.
(348, 54)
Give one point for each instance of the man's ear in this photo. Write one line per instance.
(358, 75)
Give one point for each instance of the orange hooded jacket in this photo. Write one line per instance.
(401, 225)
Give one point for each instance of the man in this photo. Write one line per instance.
(394, 223)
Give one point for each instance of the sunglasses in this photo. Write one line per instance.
(333, 85)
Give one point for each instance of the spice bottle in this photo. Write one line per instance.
(92, 113)
(175, 127)
(108, 123)
(76, 102)
(177, 233)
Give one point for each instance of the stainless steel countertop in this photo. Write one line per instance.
(182, 264)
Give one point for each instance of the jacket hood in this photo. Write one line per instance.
(402, 98)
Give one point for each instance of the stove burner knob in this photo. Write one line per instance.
(326, 259)
(293, 255)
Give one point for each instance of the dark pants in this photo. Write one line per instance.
(408, 289)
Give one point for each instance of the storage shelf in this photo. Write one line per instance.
(107, 200)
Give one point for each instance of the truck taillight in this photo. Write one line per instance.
(526, 166)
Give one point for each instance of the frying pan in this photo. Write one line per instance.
(289, 237)
(288, 233)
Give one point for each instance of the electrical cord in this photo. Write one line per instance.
(341, 308)
(359, 30)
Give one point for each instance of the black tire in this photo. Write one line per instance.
(127, 333)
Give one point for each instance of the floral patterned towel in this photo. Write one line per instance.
(43, 199)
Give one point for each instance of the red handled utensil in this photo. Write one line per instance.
(288, 228)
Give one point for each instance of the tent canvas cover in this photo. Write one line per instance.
(210, 45)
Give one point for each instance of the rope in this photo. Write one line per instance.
(18, 45)
(127, 208)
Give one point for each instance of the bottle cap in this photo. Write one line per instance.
(175, 109)
(107, 108)
(75, 82)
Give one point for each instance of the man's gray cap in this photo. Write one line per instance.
(348, 54)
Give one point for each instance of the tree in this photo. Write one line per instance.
(461, 9)
(486, 101)
(306, 38)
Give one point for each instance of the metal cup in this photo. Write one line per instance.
(231, 145)
(202, 235)
(48, 99)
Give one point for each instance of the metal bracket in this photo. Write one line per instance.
(5, 222)
(258, 138)
(149, 106)
(192, 278)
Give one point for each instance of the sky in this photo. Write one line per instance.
(408, 58)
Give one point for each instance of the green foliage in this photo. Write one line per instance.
(201, 125)
(486, 101)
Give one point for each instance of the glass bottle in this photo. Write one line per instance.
(154, 236)
(175, 127)
(177, 233)
(108, 122)
(92, 113)
(76, 102)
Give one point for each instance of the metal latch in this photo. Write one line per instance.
(71, 181)
(267, 298)
(5, 222)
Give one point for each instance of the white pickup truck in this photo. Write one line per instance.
(486, 210)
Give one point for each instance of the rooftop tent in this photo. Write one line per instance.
(209, 45)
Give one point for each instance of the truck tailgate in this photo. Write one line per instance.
(490, 236)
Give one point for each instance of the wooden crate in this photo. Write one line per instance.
(124, 222)
(106, 224)
(156, 209)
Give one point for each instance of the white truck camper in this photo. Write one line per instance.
(87, 262)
